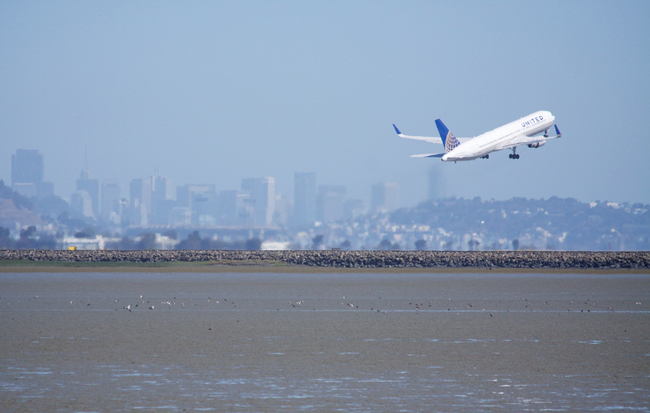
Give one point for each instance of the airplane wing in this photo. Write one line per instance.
(429, 155)
(535, 141)
(431, 139)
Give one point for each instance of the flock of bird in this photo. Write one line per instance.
(299, 303)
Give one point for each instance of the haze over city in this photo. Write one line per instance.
(215, 92)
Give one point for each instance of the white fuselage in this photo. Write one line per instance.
(503, 137)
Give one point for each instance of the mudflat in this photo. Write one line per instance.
(366, 341)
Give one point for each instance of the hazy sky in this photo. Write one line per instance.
(212, 92)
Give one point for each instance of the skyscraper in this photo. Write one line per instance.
(110, 200)
(330, 202)
(27, 167)
(81, 203)
(27, 174)
(435, 183)
(162, 188)
(234, 208)
(161, 200)
(262, 192)
(140, 191)
(91, 186)
(201, 201)
(383, 197)
(304, 203)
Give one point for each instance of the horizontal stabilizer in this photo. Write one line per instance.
(429, 155)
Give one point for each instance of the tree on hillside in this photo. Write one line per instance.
(253, 244)
(5, 238)
(384, 245)
(317, 241)
(473, 244)
(192, 242)
(147, 242)
(515, 244)
(421, 245)
(87, 232)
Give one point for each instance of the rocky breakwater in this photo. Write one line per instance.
(356, 259)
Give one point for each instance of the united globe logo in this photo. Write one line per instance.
(451, 142)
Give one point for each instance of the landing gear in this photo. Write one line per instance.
(514, 154)
(486, 156)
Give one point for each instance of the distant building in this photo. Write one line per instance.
(234, 208)
(227, 207)
(304, 204)
(353, 208)
(204, 208)
(81, 203)
(434, 184)
(180, 216)
(25, 189)
(383, 197)
(262, 199)
(125, 216)
(329, 205)
(27, 174)
(110, 200)
(162, 188)
(45, 189)
(200, 200)
(27, 167)
(161, 200)
(140, 191)
(283, 209)
(91, 186)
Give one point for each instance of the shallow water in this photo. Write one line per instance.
(324, 342)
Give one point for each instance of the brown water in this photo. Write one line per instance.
(324, 342)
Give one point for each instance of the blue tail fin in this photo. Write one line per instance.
(448, 139)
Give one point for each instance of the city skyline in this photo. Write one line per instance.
(153, 200)
(256, 217)
(213, 92)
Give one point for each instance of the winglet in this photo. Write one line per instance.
(557, 132)
(397, 130)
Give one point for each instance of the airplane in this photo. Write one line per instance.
(524, 131)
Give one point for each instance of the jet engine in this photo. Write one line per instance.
(537, 144)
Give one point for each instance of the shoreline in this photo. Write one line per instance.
(211, 267)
